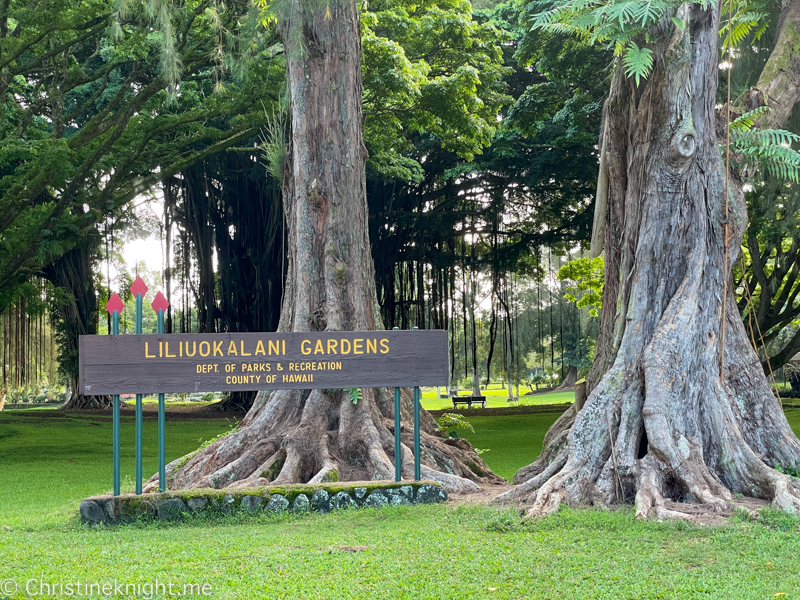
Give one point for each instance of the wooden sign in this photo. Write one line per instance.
(178, 363)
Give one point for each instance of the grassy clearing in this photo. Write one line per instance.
(51, 460)
(512, 441)
(496, 397)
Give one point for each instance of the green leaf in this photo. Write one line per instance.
(355, 394)
(637, 62)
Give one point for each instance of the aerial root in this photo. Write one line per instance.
(266, 467)
(452, 483)
(380, 467)
(254, 481)
(650, 481)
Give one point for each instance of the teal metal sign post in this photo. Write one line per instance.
(138, 289)
(115, 307)
(398, 451)
(160, 304)
(416, 429)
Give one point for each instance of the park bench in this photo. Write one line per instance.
(469, 401)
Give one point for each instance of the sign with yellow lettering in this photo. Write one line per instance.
(176, 363)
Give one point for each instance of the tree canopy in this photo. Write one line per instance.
(90, 118)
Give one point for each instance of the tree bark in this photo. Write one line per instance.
(660, 422)
(321, 435)
(569, 380)
(779, 84)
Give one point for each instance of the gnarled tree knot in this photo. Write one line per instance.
(682, 148)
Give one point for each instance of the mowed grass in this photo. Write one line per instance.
(50, 461)
(496, 397)
(512, 441)
(430, 552)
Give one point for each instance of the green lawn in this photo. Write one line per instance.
(512, 441)
(496, 397)
(50, 461)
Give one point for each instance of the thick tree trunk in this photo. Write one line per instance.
(779, 84)
(569, 380)
(320, 435)
(235, 402)
(660, 422)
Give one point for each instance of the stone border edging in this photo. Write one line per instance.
(299, 498)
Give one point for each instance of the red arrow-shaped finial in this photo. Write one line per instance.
(138, 287)
(115, 304)
(160, 303)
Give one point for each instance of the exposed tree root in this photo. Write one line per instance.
(317, 437)
(81, 402)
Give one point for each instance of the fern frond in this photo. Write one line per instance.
(613, 22)
(746, 122)
(768, 138)
(771, 149)
(743, 20)
(637, 61)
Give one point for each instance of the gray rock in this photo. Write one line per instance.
(342, 500)
(431, 494)
(251, 504)
(170, 508)
(301, 504)
(134, 508)
(110, 509)
(197, 504)
(91, 511)
(399, 496)
(360, 492)
(376, 499)
(228, 502)
(277, 503)
(321, 501)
